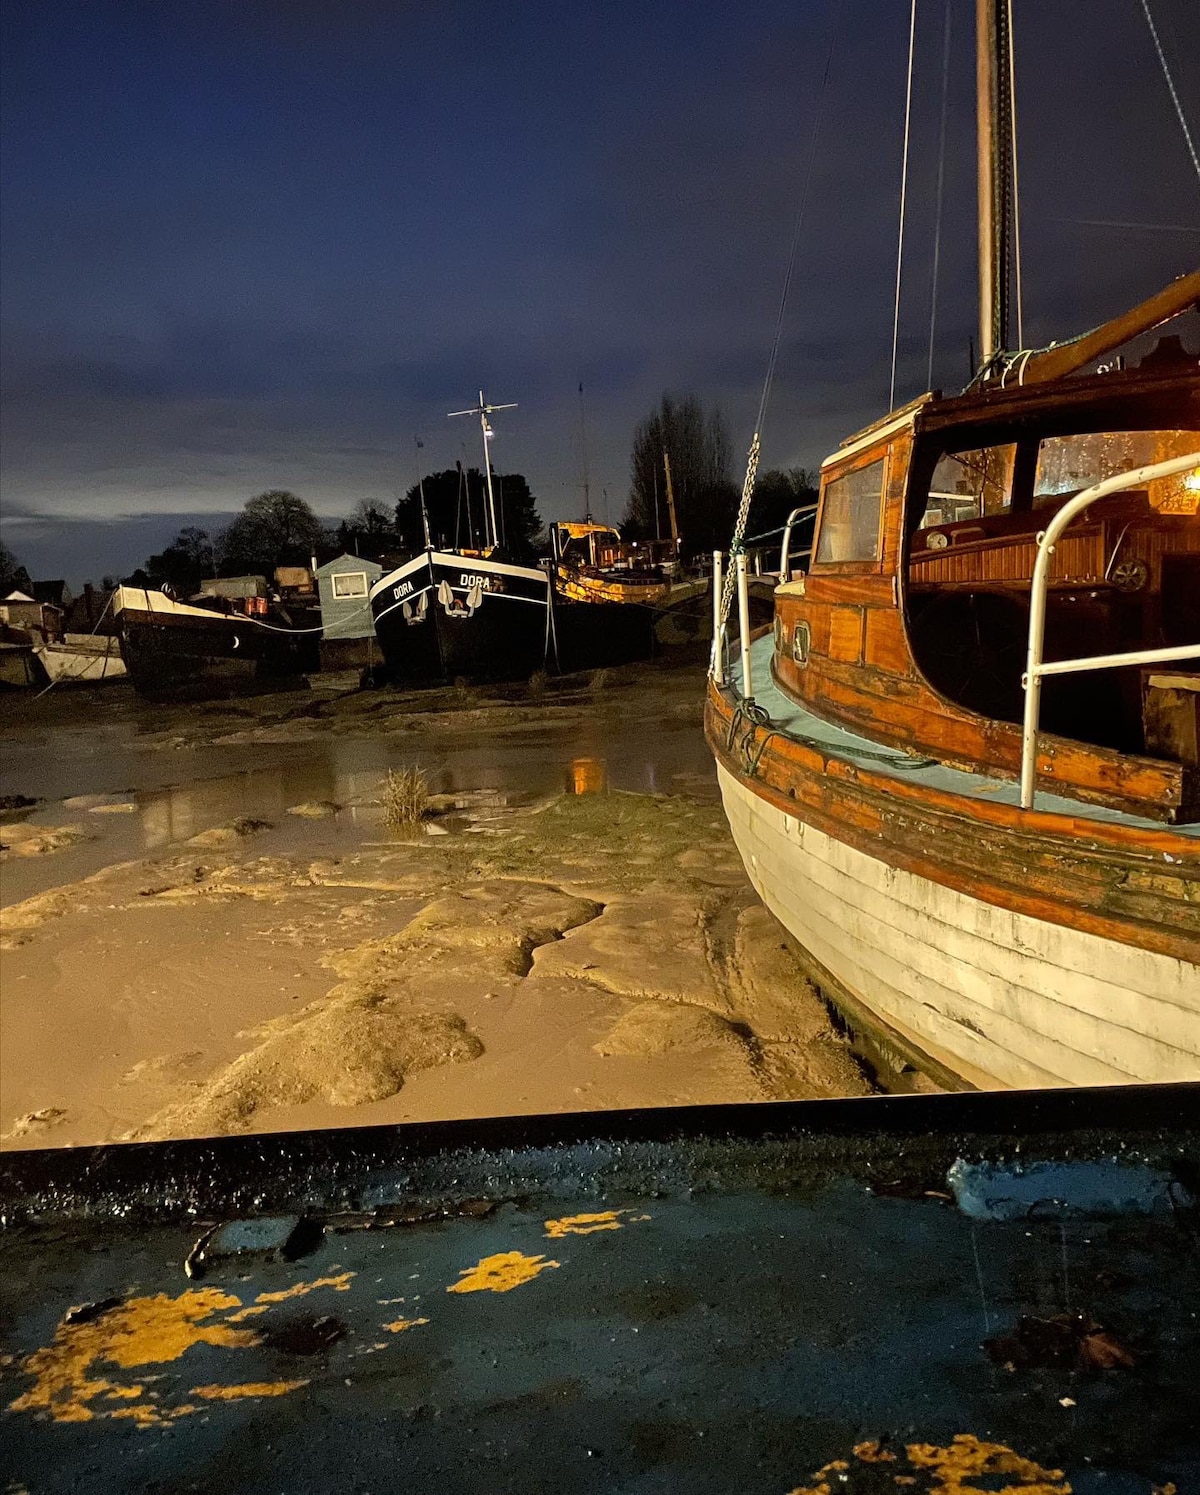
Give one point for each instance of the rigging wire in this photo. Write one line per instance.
(739, 529)
(912, 39)
(1166, 71)
(1016, 187)
(941, 178)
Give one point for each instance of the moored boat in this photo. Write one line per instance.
(228, 644)
(962, 767)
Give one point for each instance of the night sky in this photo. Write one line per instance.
(264, 243)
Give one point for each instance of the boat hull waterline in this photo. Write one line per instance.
(443, 616)
(998, 997)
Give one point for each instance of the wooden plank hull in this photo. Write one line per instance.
(1001, 997)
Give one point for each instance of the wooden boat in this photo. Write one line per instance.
(869, 747)
(225, 645)
(82, 658)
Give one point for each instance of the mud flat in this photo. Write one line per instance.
(558, 946)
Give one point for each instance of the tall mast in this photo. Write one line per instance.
(583, 451)
(993, 105)
(483, 410)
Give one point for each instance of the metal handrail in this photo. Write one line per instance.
(1031, 680)
(786, 546)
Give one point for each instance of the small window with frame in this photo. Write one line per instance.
(850, 512)
(350, 584)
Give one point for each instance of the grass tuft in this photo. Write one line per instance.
(405, 797)
(537, 685)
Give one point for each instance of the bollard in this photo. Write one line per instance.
(718, 644)
(743, 597)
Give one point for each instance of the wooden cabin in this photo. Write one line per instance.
(911, 623)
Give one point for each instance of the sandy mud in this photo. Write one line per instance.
(303, 966)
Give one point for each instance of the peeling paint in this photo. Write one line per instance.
(500, 1273)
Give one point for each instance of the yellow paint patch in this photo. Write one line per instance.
(398, 1326)
(245, 1389)
(501, 1273)
(140, 1331)
(952, 1470)
(340, 1284)
(609, 1219)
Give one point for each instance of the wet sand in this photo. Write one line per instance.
(207, 928)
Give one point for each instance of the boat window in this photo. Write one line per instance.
(1068, 464)
(350, 584)
(970, 484)
(850, 516)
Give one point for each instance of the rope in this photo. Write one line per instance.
(1166, 71)
(1016, 188)
(941, 179)
(92, 634)
(912, 41)
(737, 543)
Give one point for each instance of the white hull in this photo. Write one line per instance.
(64, 663)
(1003, 998)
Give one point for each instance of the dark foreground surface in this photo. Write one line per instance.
(973, 1293)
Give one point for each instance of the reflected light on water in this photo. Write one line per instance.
(587, 776)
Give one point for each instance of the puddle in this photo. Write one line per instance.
(99, 782)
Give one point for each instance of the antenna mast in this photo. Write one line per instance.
(587, 493)
(483, 410)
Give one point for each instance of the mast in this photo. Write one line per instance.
(483, 410)
(587, 490)
(993, 113)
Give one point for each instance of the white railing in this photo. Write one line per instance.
(1034, 667)
(717, 669)
(785, 550)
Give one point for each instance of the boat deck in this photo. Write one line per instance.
(795, 720)
(952, 1292)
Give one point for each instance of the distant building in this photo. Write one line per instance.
(21, 611)
(347, 628)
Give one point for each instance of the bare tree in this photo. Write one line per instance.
(697, 443)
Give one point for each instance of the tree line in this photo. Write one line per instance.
(278, 528)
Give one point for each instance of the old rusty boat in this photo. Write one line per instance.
(237, 634)
(962, 767)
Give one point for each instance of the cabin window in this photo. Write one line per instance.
(350, 584)
(970, 485)
(850, 510)
(1068, 464)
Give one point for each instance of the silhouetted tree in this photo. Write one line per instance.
(369, 529)
(697, 442)
(776, 494)
(456, 503)
(274, 529)
(183, 564)
(13, 576)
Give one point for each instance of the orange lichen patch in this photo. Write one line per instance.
(340, 1284)
(609, 1219)
(398, 1326)
(247, 1313)
(953, 1470)
(968, 1458)
(501, 1273)
(140, 1331)
(245, 1389)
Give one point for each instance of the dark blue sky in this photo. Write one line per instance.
(263, 243)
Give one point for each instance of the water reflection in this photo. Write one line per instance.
(587, 776)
